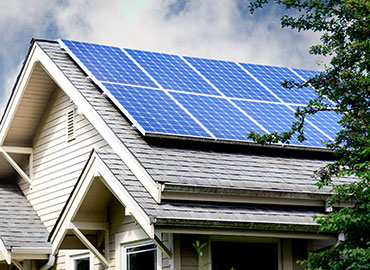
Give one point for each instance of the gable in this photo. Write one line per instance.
(30, 109)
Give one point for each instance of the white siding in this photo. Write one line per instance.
(57, 164)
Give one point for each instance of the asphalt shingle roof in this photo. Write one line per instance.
(214, 215)
(20, 225)
(202, 168)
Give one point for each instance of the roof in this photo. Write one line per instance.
(190, 214)
(173, 163)
(20, 225)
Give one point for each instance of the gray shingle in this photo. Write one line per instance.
(188, 213)
(20, 226)
(203, 168)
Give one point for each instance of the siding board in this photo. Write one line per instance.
(57, 164)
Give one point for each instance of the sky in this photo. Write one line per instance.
(218, 29)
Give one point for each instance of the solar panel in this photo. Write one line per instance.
(108, 64)
(306, 74)
(277, 117)
(230, 79)
(185, 96)
(327, 121)
(154, 110)
(218, 116)
(272, 77)
(171, 72)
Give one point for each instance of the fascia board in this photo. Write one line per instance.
(4, 252)
(97, 168)
(95, 119)
(31, 250)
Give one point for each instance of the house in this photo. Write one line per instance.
(88, 182)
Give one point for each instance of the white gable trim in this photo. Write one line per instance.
(4, 253)
(97, 168)
(38, 55)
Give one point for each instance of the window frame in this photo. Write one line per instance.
(125, 247)
(75, 256)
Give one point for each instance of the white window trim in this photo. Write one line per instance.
(125, 247)
(72, 255)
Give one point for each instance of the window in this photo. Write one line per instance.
(244, 255)
(80, 262)
(141, 256)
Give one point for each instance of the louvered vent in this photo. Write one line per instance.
(71, 125)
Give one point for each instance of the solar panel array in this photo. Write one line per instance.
(186, 96)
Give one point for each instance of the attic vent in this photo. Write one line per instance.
(71, 125)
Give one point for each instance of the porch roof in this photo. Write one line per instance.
(182, 213)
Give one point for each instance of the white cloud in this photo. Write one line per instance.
(207, 28)
(204, 28)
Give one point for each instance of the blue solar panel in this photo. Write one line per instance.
(278, 118)
(327, 121)
(306, 74)
(230, 79)
(108, 63)
(155, 111)
(272, 77)
(171, 72)
(218, 115)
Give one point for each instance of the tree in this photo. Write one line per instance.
(345, 38)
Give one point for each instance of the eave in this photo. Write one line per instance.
(237, 195)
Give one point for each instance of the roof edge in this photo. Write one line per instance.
(218, 224)
(265, 193)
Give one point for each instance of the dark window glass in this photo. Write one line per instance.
(82, 264)
(142, 258)
(244, 256)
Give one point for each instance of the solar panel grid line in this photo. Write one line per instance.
(171, 71)
(170, 96)
(264, 86)
(107, 63)
(124, 111)
(303, 79)
(103, 88)
(318, 129)
(308, 121)
(224, 96)
(142, 69)
(81, 65)
(190, 114)
(286, 104)
(265, 101)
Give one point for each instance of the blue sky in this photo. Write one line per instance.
(221, 29)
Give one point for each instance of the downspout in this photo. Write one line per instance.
(49, 264)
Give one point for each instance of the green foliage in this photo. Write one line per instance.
(198, 248)
(344, 26)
